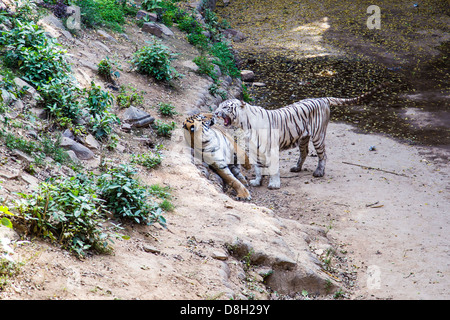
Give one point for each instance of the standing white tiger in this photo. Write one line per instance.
(270, 131)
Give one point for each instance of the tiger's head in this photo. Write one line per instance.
(229, 110)
(196, 123)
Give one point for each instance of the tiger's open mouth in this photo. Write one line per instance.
(226, 120)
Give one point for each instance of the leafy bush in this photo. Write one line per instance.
(60, 99)
(149, 160)
(105, 13)
(68, 212)
(128, 96)
(126, 198)
(166, 109)
(105, 70)
(164, 129)
(39, 58)
(155, 60)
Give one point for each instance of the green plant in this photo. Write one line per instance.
(151, 5)
(67, 211)
(149, 160)
(166, 109)
(129, 96)
(105, 13)
(105, 70)
(246, 94)
(97, 100)
(126, 198)
(215, 90)
(164, 129)
(166, 205)
(205, 66)
(155, 60)
(60, 98)
(39, 58)
(160, 192)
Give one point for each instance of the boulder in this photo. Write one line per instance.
(148, 16)
(137, 118)
(235, 35)
(152, 28)
(156, 29)
(247, 75)
(82, 152)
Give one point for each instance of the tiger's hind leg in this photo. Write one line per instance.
(229, 178)
(304, 142)
(319, 145)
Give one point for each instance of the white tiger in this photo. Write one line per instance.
(269, 131)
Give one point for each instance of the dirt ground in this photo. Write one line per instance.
(384, 212)
(391, 221)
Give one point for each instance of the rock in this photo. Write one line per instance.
(150, 249)
(73, 156)
(149, 16)
(152, 28)
(30, 91)
(22, 156)
(258, 84)
(137, 118)
(219, 255)
(156, 29)
(106, 35)
(235, 35)
(247, 75)
(82, 152)
(32, 181)
(91, 142)
(89, 65)
(190, 65)
(102, 45)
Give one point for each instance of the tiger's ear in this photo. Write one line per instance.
(242, 104)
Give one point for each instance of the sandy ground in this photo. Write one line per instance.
(393, 224)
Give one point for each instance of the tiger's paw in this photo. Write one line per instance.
(255, 183)
(244, 198)
(273, 186)
(296, 169)
(319, 172)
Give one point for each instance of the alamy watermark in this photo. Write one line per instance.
(374, 20)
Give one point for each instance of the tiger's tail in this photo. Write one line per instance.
(357, 100)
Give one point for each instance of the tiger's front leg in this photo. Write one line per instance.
(258, 176)
(230, 179)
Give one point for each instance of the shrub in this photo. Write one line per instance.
(39, 58)
(149, 160)
(126, 198)
(106, 13)
(128, 96)
(164, 129)
(60, 99)
(105, 70)
(67, 211)
(166, 109)
(155, 60)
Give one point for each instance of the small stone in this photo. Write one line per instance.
(247, 75)
(151, 249)
(219, 255)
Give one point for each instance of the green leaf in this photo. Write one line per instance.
(4, 209)
(7, 223)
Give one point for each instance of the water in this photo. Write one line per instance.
(313, 49)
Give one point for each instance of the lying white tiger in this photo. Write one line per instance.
(218, 150)
(270, 131)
